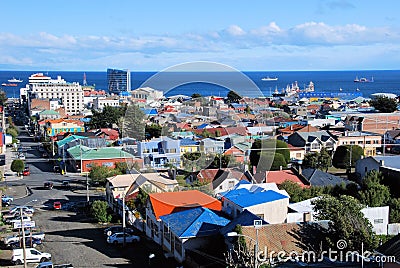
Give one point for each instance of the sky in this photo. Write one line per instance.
(258, 35)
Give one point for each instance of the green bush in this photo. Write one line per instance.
(99, 211)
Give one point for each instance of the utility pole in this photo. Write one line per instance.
(123, 217)
(87, 188)
(23, 236)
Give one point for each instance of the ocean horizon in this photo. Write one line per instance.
(220, 83)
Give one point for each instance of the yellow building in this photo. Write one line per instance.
(56, 126)
(367, 140)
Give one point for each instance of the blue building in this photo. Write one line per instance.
(158, 152)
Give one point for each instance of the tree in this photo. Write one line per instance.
(153, 131)
(134, 123)
(373, 193)
(99, 211)
(13, 132)
(107, 117)
(233, 97)
(278, 162)
(141, 202)
(310, 160)
(384, 104)
(394, 205)
(263, 151)
(324, 160)
(98, 174)
(346, 222)
(341, 157)
(18, 166)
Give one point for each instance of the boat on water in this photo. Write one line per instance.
(14, 80)
(363, 80)
(9, 85)
(269, 78)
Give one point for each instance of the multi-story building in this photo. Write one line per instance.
(367, 140)
(99, 103)
(118, 80)
(70, 94)
(56, 126)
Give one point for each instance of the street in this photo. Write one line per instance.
(72, 237)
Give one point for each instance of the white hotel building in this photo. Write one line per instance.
(43, 87)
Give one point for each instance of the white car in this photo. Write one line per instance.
(118, 238)
(32, 255)
(21, 156)
(28, 209)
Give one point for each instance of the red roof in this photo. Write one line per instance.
(280, 176)
(170, 202)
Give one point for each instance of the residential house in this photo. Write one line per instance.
(64, 144)
(280, 176)
(56, 126)
(127, 185)
(312, 141)
(48, 114)
(189, 146)
(221, 180)
(212, 146)
(107, 133)
(160, 204)
(389, 166)
(304, 212)
(374, 122)
(316, 177)
(190, 230)
(264, 200)
(158, 152)
(83, 157)
(367, 140)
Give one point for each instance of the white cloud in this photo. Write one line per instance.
(231, 44)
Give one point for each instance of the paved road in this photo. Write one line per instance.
(70, 236)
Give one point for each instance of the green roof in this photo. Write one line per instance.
(97, 153)
(49, 112)
(64, 141)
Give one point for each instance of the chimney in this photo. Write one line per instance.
(299, 170)
(280, 168)
(382, 163)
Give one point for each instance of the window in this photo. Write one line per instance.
(360, 142)
(378, 221)
(352, 142)
(178, 246)
(368, 142)
(167, 236)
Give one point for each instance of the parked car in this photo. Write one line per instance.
(65, 184)
(118, 238)
(24, 208)
(21, 156)
(49, 264)
(29, 242)
(117, 229)
(57, 205)
(17, 213)
(18, 219)
(32, 255)
(6, 200)
(48, 185)
(26, 171)
(17, 237)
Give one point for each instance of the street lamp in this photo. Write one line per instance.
(23, 231)
(235, 234)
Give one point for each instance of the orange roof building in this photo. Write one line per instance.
(280, 176)
(170, 202)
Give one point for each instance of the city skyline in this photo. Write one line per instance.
(152, 36)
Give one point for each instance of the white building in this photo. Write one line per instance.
(100, 103)
(147, 93)
(70, 94)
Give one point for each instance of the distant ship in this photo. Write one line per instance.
(9, 85)
(269, 78)
(14, 80)
(363, 80)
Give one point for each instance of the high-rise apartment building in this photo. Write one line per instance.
(69, 94)
(118, 80)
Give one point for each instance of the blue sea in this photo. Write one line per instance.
(220, 83)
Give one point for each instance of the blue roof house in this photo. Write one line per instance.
(268, 204)
(158, 152)
(190, 229)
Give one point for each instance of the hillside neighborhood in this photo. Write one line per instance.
(211, 179)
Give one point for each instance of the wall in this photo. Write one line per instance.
(273, 212)
(375, 214)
